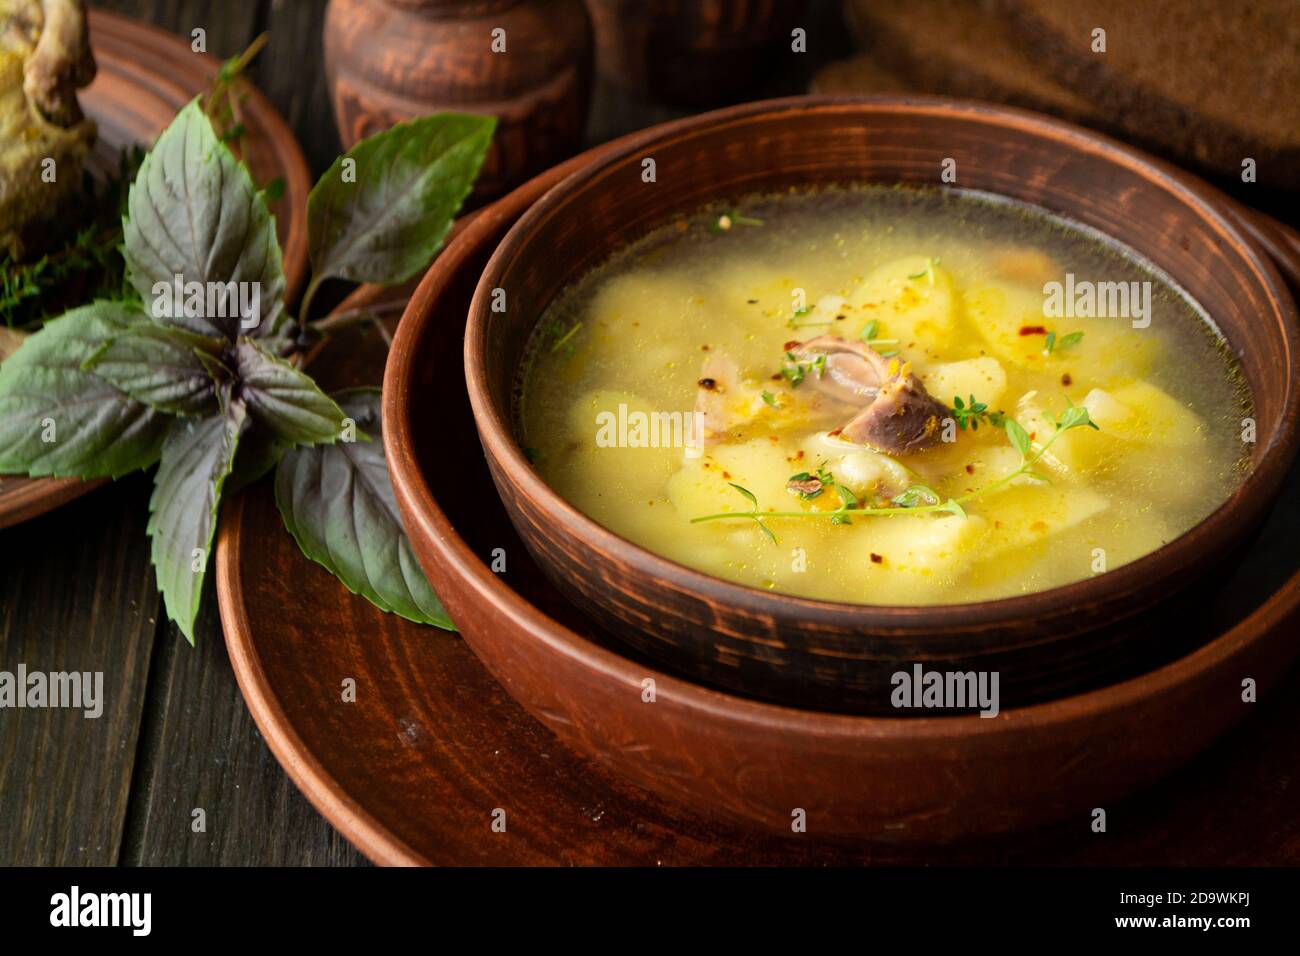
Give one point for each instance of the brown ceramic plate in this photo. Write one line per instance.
(412, 772)
(145, 76)
(928, 779)
(841, 656)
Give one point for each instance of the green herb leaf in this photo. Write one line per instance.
(793, 371)
(747, 493)
(260, 450)
(167, 368)
(769, 399)
(387, 222)
(870, 330)
(1018, 437)
(916, 495)
(196, 458)
(338, 503)
(195, 213)
(1049, 343)
(56, 418)
(1074, 417)
(284, 399)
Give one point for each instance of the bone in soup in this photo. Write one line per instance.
(884, 396)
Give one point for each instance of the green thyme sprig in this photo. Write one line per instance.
(919, 499)
(794, 371)
(794, 323)
(870, 336)
(1066, 341)
(927, 272)
(969, 414)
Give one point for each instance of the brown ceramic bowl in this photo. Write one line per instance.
(903, 780)
(840, 656)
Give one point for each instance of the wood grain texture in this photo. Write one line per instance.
(200, 750)
(76, 594)
(229, 24)
(291, 74)
(694, 53)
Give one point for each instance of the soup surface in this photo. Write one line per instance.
(884, 396)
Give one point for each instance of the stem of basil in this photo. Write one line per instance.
(349, 317)
(305, 309)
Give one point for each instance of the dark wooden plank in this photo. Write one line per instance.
(229, 25)
(76, 594)
(201, 751)
(198, 747)
(291, 72)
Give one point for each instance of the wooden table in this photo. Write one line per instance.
(77, 593)
(77, 590)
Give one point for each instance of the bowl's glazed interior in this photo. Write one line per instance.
(823, 653)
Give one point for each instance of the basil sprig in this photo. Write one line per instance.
(201, 374)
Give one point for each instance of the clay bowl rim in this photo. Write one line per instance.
(426, 522)
(1246, 506)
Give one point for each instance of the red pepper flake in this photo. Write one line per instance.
(704, 348)
(708, 384)
(970, 469)
(791, 345)
(777, 377)
(726, 474)
(1066, 380)
(1033, 330)
(877, 558)
(834, 432)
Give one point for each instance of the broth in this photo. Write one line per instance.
(757, 352)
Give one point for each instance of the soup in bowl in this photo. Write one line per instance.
(885, 396)
(784, 406)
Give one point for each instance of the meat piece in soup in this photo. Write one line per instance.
(885, 396)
